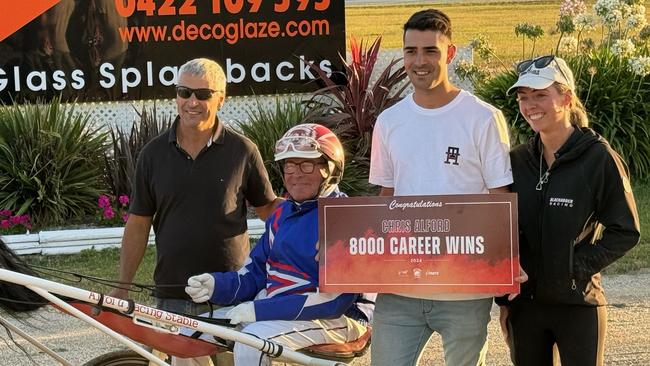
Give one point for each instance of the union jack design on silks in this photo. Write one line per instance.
(281, 274)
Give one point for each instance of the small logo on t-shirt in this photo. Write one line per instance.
(560, 202)
(452, 155)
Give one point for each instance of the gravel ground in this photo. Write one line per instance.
(628, 338)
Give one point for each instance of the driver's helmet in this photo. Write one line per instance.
(311, 141)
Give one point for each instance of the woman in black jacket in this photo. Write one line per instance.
(576, 216)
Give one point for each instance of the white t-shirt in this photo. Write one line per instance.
(460, 148)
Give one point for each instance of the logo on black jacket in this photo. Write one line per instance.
(560, 202)
(452, 155)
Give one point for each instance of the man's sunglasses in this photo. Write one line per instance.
(200, 94)
(539, 63)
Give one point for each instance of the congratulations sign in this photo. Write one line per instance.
(419, 244)
(131, 49)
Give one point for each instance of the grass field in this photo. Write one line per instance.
(639, 257)
(495, 20)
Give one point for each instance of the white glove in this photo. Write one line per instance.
(200, 288)
(242, 313)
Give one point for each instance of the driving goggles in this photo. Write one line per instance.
(296, 143)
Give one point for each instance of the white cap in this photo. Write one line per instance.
(556, 71)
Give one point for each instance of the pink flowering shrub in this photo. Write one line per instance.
(113, 212)
(14, 224)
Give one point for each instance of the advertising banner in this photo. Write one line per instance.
(101, 50)
(419, 244)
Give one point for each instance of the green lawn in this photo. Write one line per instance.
(496, 21)
(639, 257)
(102, 264)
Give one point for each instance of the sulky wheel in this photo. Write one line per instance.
(119, 358)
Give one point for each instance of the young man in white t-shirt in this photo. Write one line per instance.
(438, 140)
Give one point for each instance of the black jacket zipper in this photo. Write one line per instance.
(571, 277)
(542, 198)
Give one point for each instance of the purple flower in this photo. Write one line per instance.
(4, 224)
(124, 200)
(104, 201)
(109, 213)
(5, 213)
(15, 220)
(125, 217)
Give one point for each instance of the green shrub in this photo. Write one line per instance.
(618, 104)
(50, 162)
(265, 126)
(612, 77)
(119, 161)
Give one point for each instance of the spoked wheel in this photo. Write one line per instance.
(119, 358)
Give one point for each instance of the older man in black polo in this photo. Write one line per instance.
(192, 183)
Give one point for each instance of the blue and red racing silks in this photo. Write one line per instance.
(281, 274)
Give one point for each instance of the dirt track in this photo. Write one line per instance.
(628, 336)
